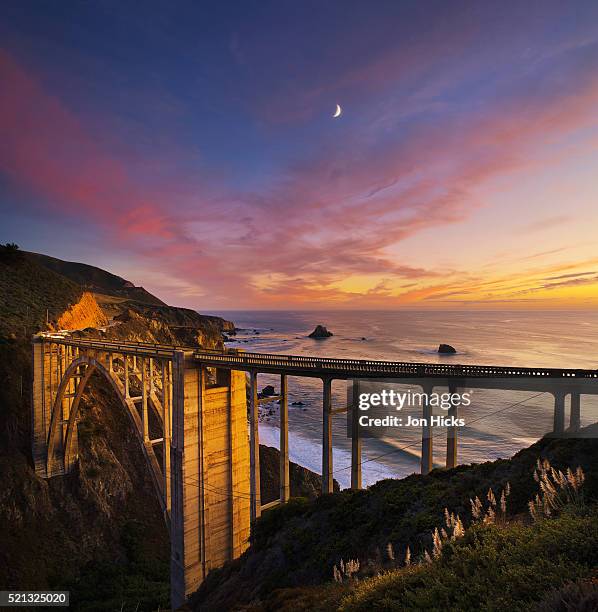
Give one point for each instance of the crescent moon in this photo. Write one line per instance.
(338, 112)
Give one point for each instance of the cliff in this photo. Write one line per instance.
(38, 292)
(84, 313)
(97, 532)
(168, 325)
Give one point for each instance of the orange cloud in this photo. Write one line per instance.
(329, 217)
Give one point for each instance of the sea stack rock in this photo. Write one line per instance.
(268, 391)
(320, 332)
(446, 349)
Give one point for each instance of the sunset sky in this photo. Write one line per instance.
(190, 147)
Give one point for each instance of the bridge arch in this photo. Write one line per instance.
(211, 478)
(62, 427)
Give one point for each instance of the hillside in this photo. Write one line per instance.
(95, 279)
(99, 531)
(289, 565)
(30, 294)
(39, 292)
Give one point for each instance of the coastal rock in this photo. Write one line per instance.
(297, 404)
(446, 349)
(320, 332)
(268, 391)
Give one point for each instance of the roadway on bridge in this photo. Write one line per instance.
(301, 365)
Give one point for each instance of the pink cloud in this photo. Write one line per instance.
(328, 217)
(47, 150)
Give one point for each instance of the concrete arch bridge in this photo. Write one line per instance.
(188, 407)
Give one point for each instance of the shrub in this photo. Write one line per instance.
(10, 253)
(581, 596)
(557, 490)
(490, 567)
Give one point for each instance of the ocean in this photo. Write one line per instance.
(497, 423)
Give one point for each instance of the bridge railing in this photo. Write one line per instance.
(231, 357)
(129, 347)
(300, 362)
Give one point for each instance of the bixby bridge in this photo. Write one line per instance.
(188, 407)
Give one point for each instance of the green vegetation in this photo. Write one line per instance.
(490, 568)
(139, 581)
(30, 294)
(50, 530)
(10, 252)
(581, 596)
(95, 279)
(295, 547)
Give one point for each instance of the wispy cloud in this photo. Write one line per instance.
(334, 211)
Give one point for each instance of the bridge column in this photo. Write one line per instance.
(144, 415)
(427, 457)
(209, 474)
(151, 375)
(559, 412)
(238, 458)
(126, 375)
(451, 432)
(186, 532)
(327, 479)
(41, 404)
(285, 484)
(575, 415)
(254, 448)
(55, 450)
(67, 406)
(166, 419)
(355, 439)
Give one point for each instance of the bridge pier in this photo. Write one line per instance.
(40, 410)
(427, 456)
(144, 415)
(285, 481)
(355, 439)
(575, 414)
(210, 517)
(166, 440)
(559, 412)
(327, 479)
(451, 432)
(254, 448)
(126, 376)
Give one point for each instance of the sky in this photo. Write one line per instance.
(191, 148)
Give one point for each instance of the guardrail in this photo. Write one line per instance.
(359, 367)
(128, 347)
(301, 364)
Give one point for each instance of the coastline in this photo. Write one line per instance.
(308, 454)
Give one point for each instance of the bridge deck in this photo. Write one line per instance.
(299, 365)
